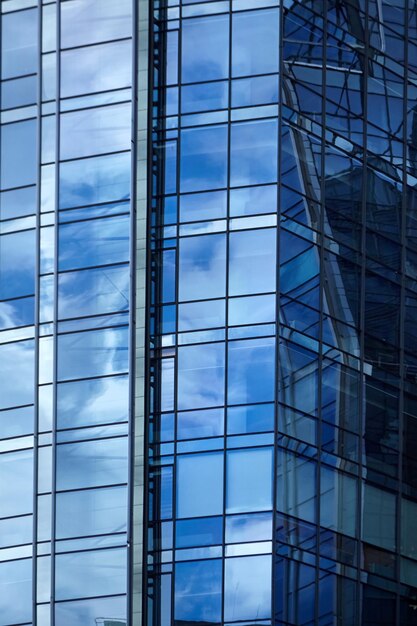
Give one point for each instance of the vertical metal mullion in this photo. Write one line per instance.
(132, 316)
(280, 53)
(55, 311)
(36, 320)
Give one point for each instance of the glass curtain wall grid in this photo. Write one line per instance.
(282, 476)
(66, 240)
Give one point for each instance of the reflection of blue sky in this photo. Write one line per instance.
(93, 353)
(252, 261)
(252, 527)
(17, 264)
(249, 480)
(15, 313)
(16, 591)
(201, 376)
(255, 42)
(86, 21)
(18, 154)
(193, 424)
(205, 44)
(96, 68)
(89, 402)
(202, 267)
(83, 612)
(253, 158)
(251, 371)
(17, 362)
(93, 573)
(92, 463)
(92, 292)
(200, 484)
(16, 481)
(94, 180)
(18, 43)
(248, 588)
(198, 591)
(203, 158)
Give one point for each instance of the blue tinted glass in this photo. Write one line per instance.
(200, 376)
(253, 157)
(199, 532)
(202, 267)
(15, 313)
(248, 588)
(16, 483)
(16, 422)
(16, 591)
(200, 485)
(97, 242)
(87, 21)
(91, 512)
(255, 42)
(204, 97)
(18, 43)
(250, 527)
(93, 353)
(296, 486)
(91, 292)
(17, 202)
(252, 310)
(203, 206)
(83, 612)
(198, 588)
(89, 402)
(16, 531)
(96, 68)
(252, 261)
(95, 180)
(197, 315)
(249, 480)
(19, 92)
(195, 424)
(95, 131)
(92, 463)
(18, 154)
(93, 573)
(254, 91)
(17, 362)
(250, 419)
(251, 371)
(203, 158)
(253, 200)
(205, 45)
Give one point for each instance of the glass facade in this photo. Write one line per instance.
(208, 304)
(282, 406)
(65, 311)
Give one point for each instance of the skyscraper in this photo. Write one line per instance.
(208, 294)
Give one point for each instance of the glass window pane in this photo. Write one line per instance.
(198, 592)
(96, 68)
(203, 158)
(379, 517)
(97, 242)
(252, 527)
(95, 180)
(199, 485)
(248, 588)
(17, 361)
(90, 402)
(17, 264)
(249, 480)
(16, 591)
(93, 573)
(19, 92)
(200, 376)
(18, 154)
(253, 157)
(252, 262)
(19, 35)
(16, 422)
(296, 486)
(251, 371)
(93, 292)
(83, 612)
(205, 48)
(203, 206)
(16, 483)
(88, 21)
(95, 131)
(91, 512)
(255, 42)
(92, 463)
(93, 353)
(202, 267)
(17, 203)
(16, 530)
(197, 315)
(252, 310)
(338, 501)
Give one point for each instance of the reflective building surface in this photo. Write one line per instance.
(208, 313)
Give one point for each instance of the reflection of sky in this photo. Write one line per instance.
(248, 588)
(252, 261)
(86, 612)
(198, 591)
(201, 376)
(86, 21)
(202, 267)
(16, 472)
(16, 373)
(17, 264)
(16, 591)
(204, 45)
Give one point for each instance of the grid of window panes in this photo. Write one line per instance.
(66, 134)
(282, 438)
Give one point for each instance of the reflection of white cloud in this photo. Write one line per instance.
(17, 373)
(201, 376)
(248, 588)
(202, 267)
